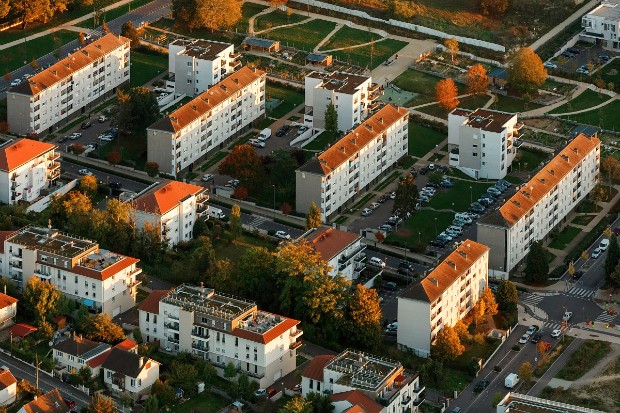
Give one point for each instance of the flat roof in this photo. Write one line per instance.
(255, 41)
(207, 301)
(522, 403)
(203, 49)
(52, 241)
(485, 119)
(361, 370)
(339, 81)
(608, 10)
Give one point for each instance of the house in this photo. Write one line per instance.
(481, 143)
(102, 280)
(353, 96)
(342, 250)
(222, 329)
(196, 65)
(172, 207)
(75, 352)
(262, 45)
(361, 382)
(27, 167)
(8, 387)
(522, 403)
(180, 139)
(446, 295)
(317, 59)
(8, 309)
(601, 25)
(128, 372)
(50, 402)
(541, 204)
(334, 178)
(20, 331)
(70, 86)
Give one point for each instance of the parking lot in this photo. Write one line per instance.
(89, 135)
(570, 60)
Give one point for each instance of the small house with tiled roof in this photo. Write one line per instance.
(172, 207)
(127, 372)
(8, 387)
(21, 331)
(75, 352)
(8, 309)
(50, 402)
(446, 295)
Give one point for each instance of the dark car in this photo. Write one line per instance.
(536, 337)
(481, 385)
(86, 125)
(403, 271)
(70, 403)
(439, 243)
(115, 185)
(577, 275)
(391, 286)
(432, 185)
(282, 131)
(406, 264)
(424, 170)
(63, 139)
(573, 50)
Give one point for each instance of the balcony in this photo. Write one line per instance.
(373, 96)
(173, 340)
(197, 333)
(200, 347)
(42, 275)
(295, 345)
(53, 174)
(405, 401)
(53, 165)
(235, 63)
(15, 185)
(53, 156)
(372, 106)
(173, 317)
(297, 333)
(346, 258)
(373, 87)
(15, 264)
(133, 283)
(234, 55)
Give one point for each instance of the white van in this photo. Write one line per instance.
(511, 381)
(264, 135)
(215, 213)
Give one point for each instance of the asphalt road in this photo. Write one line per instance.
(127, 184)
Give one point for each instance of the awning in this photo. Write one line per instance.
(88, 303)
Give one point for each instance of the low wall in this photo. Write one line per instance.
(43, 203)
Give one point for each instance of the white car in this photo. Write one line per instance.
(524, 339)
(85, 172)
(75, 135)
(106, 138)
(596, 253)
(556, 333)
(375, 205)
(16, 82)
(207, 177)
(102, 118)
(282, 235)
(604, 244)
(393, 326)
(376, 262)
(256, 143)
(366, 212)
(392, 195)
(550, 65)
(531, 330)
(567, 316)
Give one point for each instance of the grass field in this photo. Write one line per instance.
(110, 15)
(203, 402)
(360, 56)
(564, 237)
(582, 219)
(304, 36)
(474, 102)
(145, 66)
(528, 160)
(586, 100)
(347, 37)
(418, 82)
(611, 72)
(582, 360)
(512, 104)
(605, 117)
(248, 10)
(321, 141)
(276, 18)
(459, 196)
(423, 139)
(427, 223)
(291, 99)
(17, 56)
(434, 110)
(131, 148)
(228, 37)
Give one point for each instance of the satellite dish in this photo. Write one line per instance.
(51, 343)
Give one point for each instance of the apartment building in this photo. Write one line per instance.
(180, 139)
(523, 403)
(353, 96)
(354, 163)
(445, 296)
(174, 207)
(602, 25)
(69, 86)
(222, 329)
(541, 204)
(361, 382)
(27, 167)
(199, 64)
(342, 250)
(102, 280)
(481, 143)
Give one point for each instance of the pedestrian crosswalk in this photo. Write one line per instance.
(531, 299)
(581, 292)
(257, 221)
(605, 318)
(552, 325)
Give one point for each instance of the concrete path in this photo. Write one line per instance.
(534, 113)
(555, 367)
(607, 102)
(326, 38)
(251, 19)
(557, 29)
(354, 46)
(285, 26)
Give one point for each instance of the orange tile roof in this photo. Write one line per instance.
(70, 64)
(50, 402)
(6, 379)
(359, 137)
(98, 361)
(4, 235)
(207, 100)
(120, 265)
(21, 152)
(547, 178)
(6, 300)
(314, 370)
(165, 197)
(269, 335)
(127, 345)
(22, 330)
(151, 303)
(359, 400)
(448, 271)
(329, 242)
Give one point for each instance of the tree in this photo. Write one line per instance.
(321, 403)
(542, 351)
(611, 165)
(401, 8)
(447, 345)
(136, 110)
(286, 208)
(406, 197)
(29, 11)
(100, 327)
(296, 405)
(102, 404)
(240, 192)
(235, 222)
(447, 94)
(364, 317)
(461, 329)
(151, 168)
(41, 298)
(478, 312)
(614, 279)
(207, 14)
(114, 157)
(77, 148)
(612, 259)
(477, 80)
(243, 164)
(81, 38)
(331, 119)
(490, 305)
(89, 185)
(183, 375)
(507, 296)
(525, 372)
(105, 27)
(452, 46)
(256, 276)
(526, 71)
(495, 8)
(537, 267)
(278, 3)
(313, 219)
(129, 31)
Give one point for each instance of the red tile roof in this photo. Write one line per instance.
(6, 379)
(330, 242)
(360, 402)
(6, 300)
(268, 335)
(22, 330)
(98, 361)
(165, 196)
(4, 235)
(121, 264)
(151, 303)
(314, 370)
(22, 151)
(127, 345)
(50, 402)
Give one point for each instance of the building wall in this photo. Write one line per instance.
(8, 312)
(414, 326)
(8, 395)
(496, 238)
(194, 75)
(307, 191)
(178, 223)
(18, 113)
(27, 180)
(160, 150)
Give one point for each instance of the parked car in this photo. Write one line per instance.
(115, 185)
(392, 195)
(531, 330)
(16, 82)
(604, 244)
(424, 170)
(438, 242)
(481, 385)
(406, 264)
(282, 235)
(257, 143)
(85, 172)
(207, 177)
(63, 139)
(556, 333)
(86, 125)
(550, 65)
(102, 118)
(282, 131)
(536, 337)
(390, 285)
(582, 71)
(75, 136)
(524, 339)
(386, 228)
(374, 205)
(445, 237)
(366, 212)
(596, 253)
(577, 275)
(393, 326)
(476, 207)
(547, 346)
(456, 410)
(301, 130)
(376, 262)
(70, 403)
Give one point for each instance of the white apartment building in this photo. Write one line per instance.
(541, 204)
(69, 86)
(222, 329)
(373, 384)
(102, 280)
(445, 296)
(126, 372)
(26, 168)
(481, 143)
(523, 403)
(353, 96)
(342, 250)
(353, 163)
(174, 207)
(199, 64)
(205, 123)
(602, 25)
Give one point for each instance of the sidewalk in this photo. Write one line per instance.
(553, 32)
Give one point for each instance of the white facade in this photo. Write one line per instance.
(129, 373)
(8, 309)
(199, 64)
(205, 123)
(342, 250)
(481, 142)
(523, 403)
(353, 163)
(602, 25)
(541, 204)
(444, 297)
(26, 168)
(67, 87)
(353, 96)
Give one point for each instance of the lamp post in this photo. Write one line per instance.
(471, 195)
(274, 201)
(419, 233)
(436, 226)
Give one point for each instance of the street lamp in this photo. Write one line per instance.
(471, 195)
(274, 201)
(436, 226)
(419, 233)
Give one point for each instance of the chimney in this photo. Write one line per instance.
(342, 149)
(54, 72)
(194, 107)
(451, 264)
(141, 362)
(236, 80)
(380, 120)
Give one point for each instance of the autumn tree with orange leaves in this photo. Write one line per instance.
(526, 71)
(447, 94)
(477, 80)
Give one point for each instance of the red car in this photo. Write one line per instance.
(547, 346)
(70, 403)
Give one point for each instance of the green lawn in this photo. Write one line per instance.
(605, 117)
(304, 36)
(581, 361)
(213, 160)
(291, 99)
(459, 197)
(322, 141)
(427, 223)
(347, 37)
(528, 160)
(512, 104)
(276, 18)
(435, 110)
(132, 150)
(611, 72)
(223, 249)
(204, 402)
(146, 66)
(418, 82)
(564, 237)
(16, 56)
(248, 10)
(582, 219)
(360, 56)
(114, 13)
(474, 102)
(586, 100)
(228, 37)
(423, 139)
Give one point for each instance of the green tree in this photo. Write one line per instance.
(41, 298)
(129, 31)
(183, 375)
(614, 279)
(136, 110)
(537, 267)
(507, 296)
(102, 404)
(230, 371)
(244, 389)
(321, 403)
(207, 14)
(257, 276)
(313, 219)
(447, 345)
(612, 259)
(296, 405)
(164, 393)
(526, 71)
(331, 119)
(235, 223)
(401, 9)
(406, 197)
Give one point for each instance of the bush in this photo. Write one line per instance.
(558, 271)
(271, 232)
(497, 368)
(516, 347)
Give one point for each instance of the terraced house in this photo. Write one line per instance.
(69, 86)
(354, 163)
(180, 139)
(541, 204)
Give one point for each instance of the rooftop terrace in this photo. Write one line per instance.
(100, 260)
(260, 322)
(363, 371)
(52, 241)
(207, 301)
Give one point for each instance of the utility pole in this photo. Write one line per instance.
(36, 366)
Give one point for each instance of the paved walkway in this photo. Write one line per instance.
(557, 29)
(326, 38)
(607, 102)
